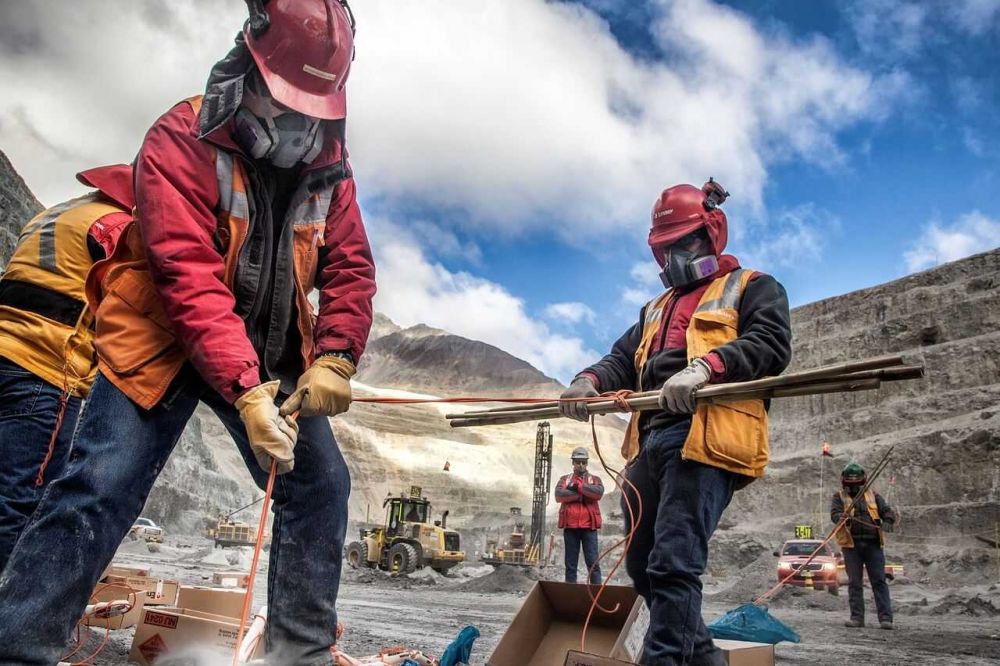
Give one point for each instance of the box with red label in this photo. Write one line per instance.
(165, 630)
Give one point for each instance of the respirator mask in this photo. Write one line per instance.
(684, 267)
(273, 133)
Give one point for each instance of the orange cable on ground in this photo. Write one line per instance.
(80, 642)
(248, 596)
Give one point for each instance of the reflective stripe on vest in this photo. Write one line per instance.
(843, 535)
(43, 314)
(737, 438)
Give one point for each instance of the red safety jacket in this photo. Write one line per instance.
(579, 508)
(170, 293)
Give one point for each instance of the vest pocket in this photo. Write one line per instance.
(132, 328)
(734, 433)
(709, 330)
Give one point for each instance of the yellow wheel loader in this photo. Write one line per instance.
(407, 541)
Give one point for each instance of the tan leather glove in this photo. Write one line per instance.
(323, 390)
(271, 435)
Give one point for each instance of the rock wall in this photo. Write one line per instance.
(17, 206)
(945, 471)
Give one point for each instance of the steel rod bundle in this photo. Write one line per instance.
(837, 378)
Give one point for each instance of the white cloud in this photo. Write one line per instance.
(514, 114)
(572, 313)
(940, 243)
(414, 289)
(644, 286)
(975, 17)
(792, 238)
(891, 29)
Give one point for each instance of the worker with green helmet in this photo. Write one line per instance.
(578, 495)
(861, 539)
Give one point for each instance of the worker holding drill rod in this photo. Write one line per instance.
(861, 539)
(244, 201)
(716, 322)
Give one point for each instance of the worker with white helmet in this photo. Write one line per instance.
(578, 495)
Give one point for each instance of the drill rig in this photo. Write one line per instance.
(517, 551)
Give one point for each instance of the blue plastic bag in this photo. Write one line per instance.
(752, 623)
(460, 650)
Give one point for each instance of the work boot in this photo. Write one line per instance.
(855, 623)
(886, 624)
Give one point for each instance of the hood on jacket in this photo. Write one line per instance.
(114, 181)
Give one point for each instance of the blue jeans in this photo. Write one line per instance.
(682, 503)
(118, 451)
(29, 408)
(867, 554)
(573, 538)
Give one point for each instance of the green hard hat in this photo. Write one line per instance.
(853, 472)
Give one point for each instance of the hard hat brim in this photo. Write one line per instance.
(326, 106)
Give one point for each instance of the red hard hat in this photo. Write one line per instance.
(682, 209)
(304, 51)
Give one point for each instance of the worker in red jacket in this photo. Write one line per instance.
(578, 495)
(245, 202)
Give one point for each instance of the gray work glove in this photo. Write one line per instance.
(581, 387)
(677, 394)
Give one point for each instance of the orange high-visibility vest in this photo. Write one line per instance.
(731, 436)
(45, 325)
(843, 534)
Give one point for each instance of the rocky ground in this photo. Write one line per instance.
(936, 624)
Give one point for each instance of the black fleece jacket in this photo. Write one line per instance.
(763, 348)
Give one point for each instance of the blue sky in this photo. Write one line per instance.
(507, 152)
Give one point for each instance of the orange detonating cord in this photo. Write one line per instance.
(635, 515)
(248, 596)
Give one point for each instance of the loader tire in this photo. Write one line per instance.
(402, 559)
(357, 555)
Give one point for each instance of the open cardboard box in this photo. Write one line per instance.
(215, 600)
(165, 630)
(550, 622)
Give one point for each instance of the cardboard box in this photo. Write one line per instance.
(231, 578)
(628, 648)
(121, 570)
(742, 653)
(156, 591)
(164, 630)
(549, 623)
(116, 592)
(577, 658)
(215, 600)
